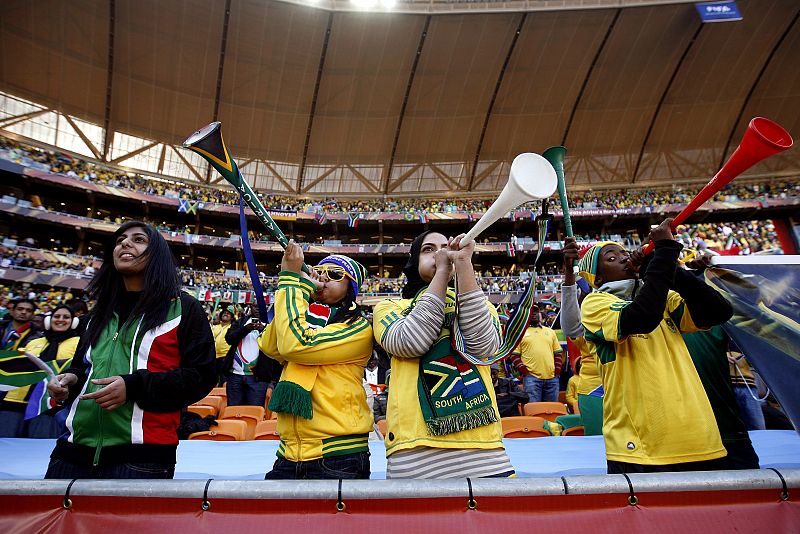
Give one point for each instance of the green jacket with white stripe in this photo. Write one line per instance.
(164, 369)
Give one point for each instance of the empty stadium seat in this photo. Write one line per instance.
(251, 415)
(219, 392)
(524, 427)
(224, 430)
(267, 430)
(574, 431)
(217, 402)
(202, 410)
(545, 410)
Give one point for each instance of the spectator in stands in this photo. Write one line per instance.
(509, 397)
(572, 388)
(248, 370)
(321, 336)
(219, 331)
(17, 331)
(589, 393)
(147, 353)
(15, 334)
(438, 426)
(57, 346)
(645, 430)
(541, 356)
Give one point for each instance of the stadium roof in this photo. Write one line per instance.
(437, 96)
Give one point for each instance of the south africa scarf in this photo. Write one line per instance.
(452, 394)
(293, 392)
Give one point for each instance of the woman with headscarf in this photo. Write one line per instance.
(147, 352)
(442, 414)
(320, 335)
(58, 346)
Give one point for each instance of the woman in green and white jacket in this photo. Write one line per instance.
(147, 352)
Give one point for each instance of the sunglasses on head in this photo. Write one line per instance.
(333, 272)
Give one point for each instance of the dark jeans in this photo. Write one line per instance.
(243, 390)
(617, 468)
(44, 426)
(11, 422)
(64, 469)
(741, 455)
(348, 466)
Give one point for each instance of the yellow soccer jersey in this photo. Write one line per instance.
(537, 348)
(655, 410)
(590, 374)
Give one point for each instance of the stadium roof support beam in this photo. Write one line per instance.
(319, 178)
(220, 69)
(189, 165)
(497, 85)
(760, 75)
(363, 179)
(15, 119)
(588, 76)
(107, 133)
(403, 177)
(312, 111)
(136, 152)
(83, 137)
(278, 176)
(664, 94)
(485, 173)
(447, 179)
(388, 176)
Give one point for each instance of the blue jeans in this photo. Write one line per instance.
(44, 426)
(541, 389)
(348, 466)
(245, 390)
(11, 423)
(749, 409)
(63, 469)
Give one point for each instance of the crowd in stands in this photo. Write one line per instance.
(61, 163)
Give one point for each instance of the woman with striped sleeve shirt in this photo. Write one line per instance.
(442, 413)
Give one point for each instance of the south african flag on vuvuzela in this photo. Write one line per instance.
(17, 370)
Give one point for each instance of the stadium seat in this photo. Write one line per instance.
(574, 431)
(251, 415)
(216, 402)
(202, 410)
(267, 430)
(545, 410)
(225, 430)
(219, 392)
(524, 427)
(562, 397)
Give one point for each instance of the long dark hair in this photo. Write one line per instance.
(349, 310)
(161, 284)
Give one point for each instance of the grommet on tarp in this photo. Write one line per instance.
(632, 499)
(67, 504)
(206, 506)
(472, 504)
(340, 506)
(785, 492)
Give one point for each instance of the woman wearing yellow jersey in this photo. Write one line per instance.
(442, 413)
(656, 415)
(58, 346)
(320, 335)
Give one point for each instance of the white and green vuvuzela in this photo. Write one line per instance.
(208, 142)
